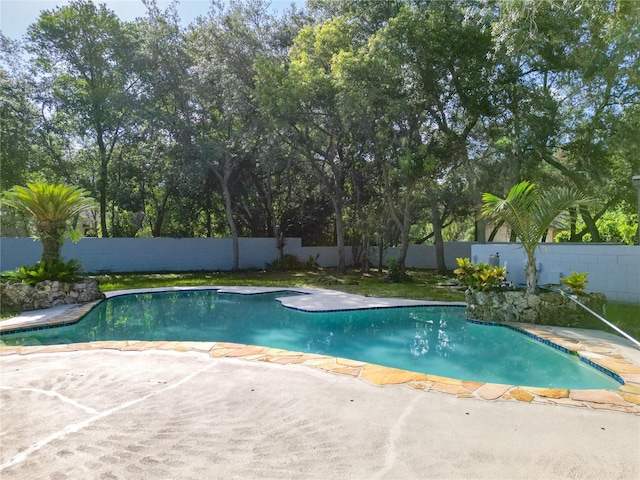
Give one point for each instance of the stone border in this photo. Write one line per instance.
(627, 399)
(49, 293)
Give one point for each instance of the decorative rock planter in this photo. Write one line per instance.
(545, 308)
(47, 294)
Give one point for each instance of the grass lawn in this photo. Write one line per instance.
(624, 315)
(423, 285)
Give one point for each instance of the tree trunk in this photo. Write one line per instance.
(156, 231)
(102, 182)
(223, 177)
(232, 226)
(280, 240)
(406, 227)
(337, 204)
(208, 223)
(437, 239)
(365, 254)
(404, 247)
(52, 237)
(532, 274)
(380, 253)
(591, 225)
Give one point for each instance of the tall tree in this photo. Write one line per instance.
(424, 75)
(573, 66)
(82, 57)
(165, 121)
(18, 118)
(305, 95)
(229, 125)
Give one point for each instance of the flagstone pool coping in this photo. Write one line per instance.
(606, 354)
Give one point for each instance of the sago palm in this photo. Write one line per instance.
(51, 206)
(529, 212)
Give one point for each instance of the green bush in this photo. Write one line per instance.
(576, 282)
(396, 274)
(290, 262)
(55, 270)
(479, 275)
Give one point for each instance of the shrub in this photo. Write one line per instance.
(576, 282)
(479, 275)
(52, 206)
(56, 270)
(396, 273)
(290, 262)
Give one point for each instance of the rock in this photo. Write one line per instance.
(47, 294)
(542, 308)
(533, 301)
(481, 299)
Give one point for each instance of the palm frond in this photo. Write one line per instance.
(49, 202)
(529, 211)
(555, 201)
(514, 210)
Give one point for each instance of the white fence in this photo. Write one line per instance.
(195, 254)
(613, 269)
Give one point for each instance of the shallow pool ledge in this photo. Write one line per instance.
(309, 300)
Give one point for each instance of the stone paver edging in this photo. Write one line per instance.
(602, 353)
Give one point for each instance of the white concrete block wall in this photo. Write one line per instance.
(151, 254)
(192, 254)
(613, 269)
(424, 256)
(16, 252)
(145, 254)
(328, 256)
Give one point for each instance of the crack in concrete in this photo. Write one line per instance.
(53, 393)
(76, 427)
(394, 434)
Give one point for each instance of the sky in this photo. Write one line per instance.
(17, 15)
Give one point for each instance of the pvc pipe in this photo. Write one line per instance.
(604, 320)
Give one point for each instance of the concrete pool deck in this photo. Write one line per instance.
(138, 409)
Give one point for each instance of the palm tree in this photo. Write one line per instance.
(51, 206)
(529, 212)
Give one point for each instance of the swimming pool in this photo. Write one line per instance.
(434, 340)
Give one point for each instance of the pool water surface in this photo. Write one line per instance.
(436, 340)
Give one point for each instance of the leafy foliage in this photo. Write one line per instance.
(479, 275)
(577, 282)
(396, 115)
(397, 272)
(51, 206)
(615, 226)
(529, 212)
(83, 58)
(290, 262)
(49, 202)
(55, 270)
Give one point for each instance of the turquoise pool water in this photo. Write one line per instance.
(434, 340)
